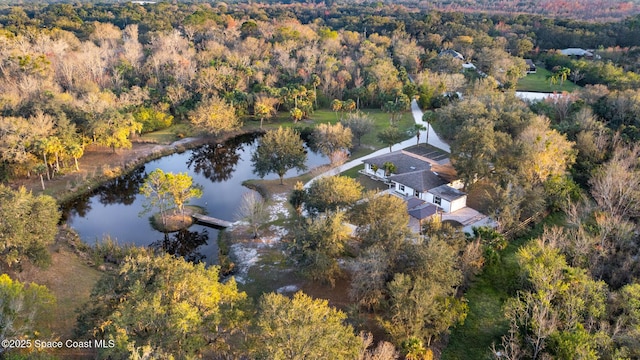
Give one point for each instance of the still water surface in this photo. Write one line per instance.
(114, 209)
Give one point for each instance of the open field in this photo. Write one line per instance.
(539, 82)
(168, 135)
(370, 141)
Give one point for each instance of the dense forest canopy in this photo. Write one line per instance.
(92, 77)
(100, 73)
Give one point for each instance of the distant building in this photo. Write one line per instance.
(469, 66)
(577, 52)
(454, 54)
(142, 2)
(531, 67)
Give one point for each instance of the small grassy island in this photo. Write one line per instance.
(175, 219)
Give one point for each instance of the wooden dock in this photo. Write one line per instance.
(211, 221)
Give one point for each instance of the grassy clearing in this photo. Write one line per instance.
(271, 272)
(485, 323)
(539, 82)
(353, 172)
(267, 188)
(367, 182)
(370, 141)
(168, 135)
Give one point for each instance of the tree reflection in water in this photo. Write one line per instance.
(123, 189)
(79, 207)
(183, 243)
(217, 162)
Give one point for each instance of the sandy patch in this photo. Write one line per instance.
(245, 257)
(278, 209)
(274, 236)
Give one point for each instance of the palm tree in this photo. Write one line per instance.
(265, 107)
(563, 74)
(389, 168)
(336, 105)
(417, 128)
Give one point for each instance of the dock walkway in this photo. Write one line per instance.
(208, 220)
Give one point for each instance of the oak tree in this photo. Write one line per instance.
(332, 139)
(28, 224)
(359, 123)
(332, 193)
(21, 304)
(302, 328)
(163, 305)
(214, 115)
(278, 152)
(390, 136)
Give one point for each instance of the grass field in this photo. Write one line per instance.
(370, 141)
(364, 180)
(485, 323)
(539, 82)
(168, 135)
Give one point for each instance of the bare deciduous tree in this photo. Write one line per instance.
(253, 210)
(384, 351)
(616, 185)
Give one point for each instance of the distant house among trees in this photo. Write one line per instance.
(454, 54)
(577, 52)
(531, 67)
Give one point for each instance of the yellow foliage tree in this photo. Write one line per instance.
(546, 152)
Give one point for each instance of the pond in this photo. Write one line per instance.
(114, 208)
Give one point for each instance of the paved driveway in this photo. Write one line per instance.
(434, 140)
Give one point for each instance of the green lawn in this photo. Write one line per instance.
(168, 135)
(370, 141)
(366, 182)
(485, 323)
(353, 172)
(539, 82)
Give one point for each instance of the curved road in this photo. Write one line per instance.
(434, 140)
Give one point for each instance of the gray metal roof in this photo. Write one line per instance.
(447, 192)
(576, 52)
(424, 212)
(422, 180)
(404, 163)
(414, 202)
(451, 53)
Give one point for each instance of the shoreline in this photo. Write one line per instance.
(80, 183)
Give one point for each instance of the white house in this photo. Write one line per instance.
(576, 52)
(447, 197)
(412, 177)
